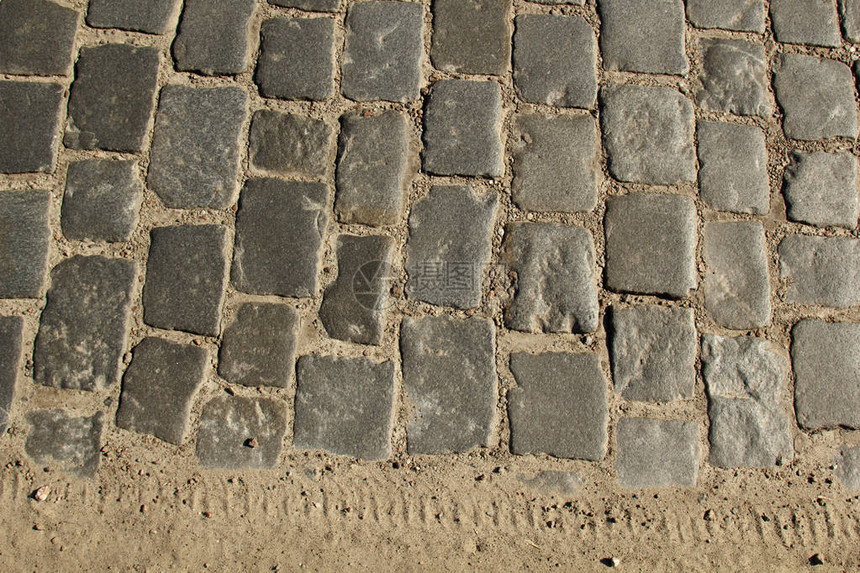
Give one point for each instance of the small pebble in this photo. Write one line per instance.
(42, 493)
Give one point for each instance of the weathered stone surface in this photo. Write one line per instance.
(850, 10)
(101, 200)
(559, 405)
(826, 360)
(555, 163)
(653, 352)
(353, 306)
(555, 60)
(733, 167)
(314, 5)
(30, 116)
(812, 22)
(279, 231)
(821, 270)
(555, 286)
(227, 423)
(158, 387)
(648, 133)
(821, 189)
(651, 244)
(344, 406)
(643, 36)
(657, 453)
(36, 37)
(70, 442)
(259, 347)
(471, 37)
(24, 237)
(372, 168)
(151, 17)
(290, 145)
(737, 15)
(296, 58)
(11, 332)
(450, 233)
(186, 276)
(449, 372)
(462, 129)
(817, 97)
(195, 147)
(734, 78)
(848, 467)
(82, 333)
(213, 36)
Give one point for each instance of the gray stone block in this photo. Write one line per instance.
(734, 78)
(344, 406)
(151, 17)
(821, 189)
(36, 37)
(24, 237)
(30, 116)
(657, 453)
(811, 22)
(644, 36)
(313, 5)
(213, 36)
(296, 59)
(11, 346)
(850, 10)
(559, 406)
(821, 270)
(290, 145)
(736, 15)
(72, 443)
(471, 37)
(848, 467)
(449, 372)
(227, 426)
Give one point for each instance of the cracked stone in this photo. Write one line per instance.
(811, 22)
(821, 270)
(213, 36)
(11, 347)
(821, 189)
(228, 422)
(314, 5)
(290, 145)
(735, 15)
(37, 37)
(296, 59)
(24, 238)
(644, 36)
(850, 10)
(848, 467)
(471, 37)
(30, 116)
(71, 442)
(734, 78)
(657, 453)
(152, 17)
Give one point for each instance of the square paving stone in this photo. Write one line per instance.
(24, 237)
(826, 360)
(314, 5)
(449, 372)
(195, 146)
(382, 54)
(158, 387)
(821, 189)
(653, 352)
(736, 15)
(471, 37)
(373, 168)
(227, 424)
(734, 78)
(290, 145)
(353, 306)
(73, 443)
(186, 276)
(644, 36)
(279, 231)
(82, 333)
(817, 97)
(555, 163)
(821, 270)
(101, 200)
(651, 244)
(36, 37)
(555, 285)
(151, 17)
(811, 22)
(850, 10)
(657, 453)
(648, 134)
(559, 406)
(213, 36)
(344, 406)
(848, 467)
(11, 333)
(450, 239)
(555, 60)
(462, 129)
(296, 59)
(258, 348)
(30, 116)
(733, 167)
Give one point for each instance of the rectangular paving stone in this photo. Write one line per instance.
(736, 15)
(462, 123)
(821, 270)
(30, 116)
(101, 200)
(471, 37)
(186, 277)
(158, 387)
(195, 146)
(657, 453)
(353, 306)
(11, 346)
(36, 37)
(848, 467)
(651, 244)
(653, 352)
(555, 60)
(734, 78)
(290, 145)
(70, 442)
(382, 55)
(296, 59)
(850, 10)
(811, 22)
(82, 332)
(648, 134)
(24, 237)
(559, 406)
(555, 284)
(259, 346)
(279, 231)
(315, 5)
(450, 239)
(644, 36)
(213, 36)
(229, 423)
(821, 189)
(344, 406)
(151, 17)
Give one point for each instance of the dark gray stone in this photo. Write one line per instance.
(734, 78)
(651, 244)
(24, 237)
(290, 145)
(82, 333)
(186, 277)
(70, 442)
(195, 146)
(848, 467)
(644, 36)
(657, 453)
(213, 36)
(11, 345)
(812, 22)
(36, 37)
(450, 239)
(258, 348)
(314, 5)
(151, 17)
(227, 424)
(296, 58)
(449, 372)
(344, 406)
(559, 406)
(30, 116)
(821, 189)
(736, 15)
(101, 200)
(850, 10)
(279, 231)
(471, 37)
(821, 270)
